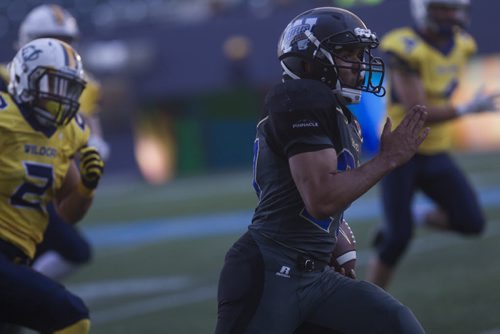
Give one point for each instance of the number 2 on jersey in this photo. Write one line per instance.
(30, 193)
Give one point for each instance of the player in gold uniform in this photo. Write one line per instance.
(40, 134)
(425, 64)
(64, 248)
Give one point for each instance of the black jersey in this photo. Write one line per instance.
(301, 116)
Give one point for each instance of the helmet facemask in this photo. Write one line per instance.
(368, 69)
(54, 95)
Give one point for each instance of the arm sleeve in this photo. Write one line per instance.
(300, 117)
(299, 132)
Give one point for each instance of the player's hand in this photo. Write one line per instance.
(91, 167)
(350, 274)
(481, 101)
(398, 146)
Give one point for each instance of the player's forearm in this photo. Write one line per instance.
(75, 205)
(344, 188)
(441, 114)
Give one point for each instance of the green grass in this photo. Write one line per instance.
(453, 288)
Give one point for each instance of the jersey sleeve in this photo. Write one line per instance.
(299, 117)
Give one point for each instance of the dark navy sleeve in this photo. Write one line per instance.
(300, 116)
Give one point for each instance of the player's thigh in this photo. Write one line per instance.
(32, 300)
(65, 239)
(361, 307)
(279, 308)
(254, 296)
(240, 286)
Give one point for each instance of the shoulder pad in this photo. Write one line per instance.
(89, 100)
(299, 95)
(467, 42)
(403, 43)
(78, 131)
(403, 40)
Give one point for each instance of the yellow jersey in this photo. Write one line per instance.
(33, 165)
(439, 72)
(89, 100)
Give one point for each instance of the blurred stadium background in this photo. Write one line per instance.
(183, 84)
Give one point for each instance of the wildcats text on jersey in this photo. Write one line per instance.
(40, 150)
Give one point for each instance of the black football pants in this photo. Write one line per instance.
(261, 291)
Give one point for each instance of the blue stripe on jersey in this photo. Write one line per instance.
(324, 224)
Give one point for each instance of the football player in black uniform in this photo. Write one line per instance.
(276, 278)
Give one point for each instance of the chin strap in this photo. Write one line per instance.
(352, 95)
(287, 71)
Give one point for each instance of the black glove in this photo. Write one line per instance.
(91, 167)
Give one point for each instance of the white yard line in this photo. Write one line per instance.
(93, 292)
(153, 304)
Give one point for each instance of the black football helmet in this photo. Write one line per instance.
(316, 37)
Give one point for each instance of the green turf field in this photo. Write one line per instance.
(166, 283)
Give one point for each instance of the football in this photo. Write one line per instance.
(344, 254)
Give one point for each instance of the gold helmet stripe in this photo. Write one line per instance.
(69, 56)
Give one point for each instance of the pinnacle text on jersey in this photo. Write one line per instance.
(305, 124)
(40, 150)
